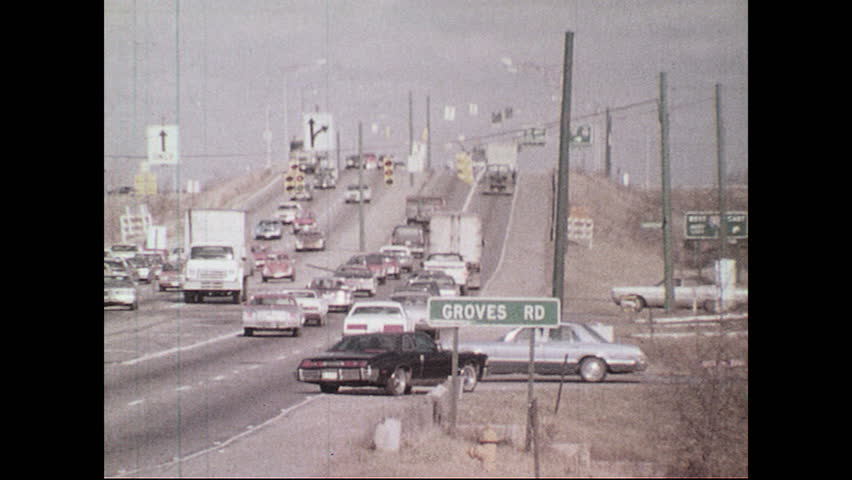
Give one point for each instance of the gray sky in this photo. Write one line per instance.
(237, 58)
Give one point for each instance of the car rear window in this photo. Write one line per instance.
(376, 310)
(365, 343)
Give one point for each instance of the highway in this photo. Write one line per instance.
(180, 378)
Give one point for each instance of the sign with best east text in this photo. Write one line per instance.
(502, 312)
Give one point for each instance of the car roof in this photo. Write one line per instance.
(376, 303)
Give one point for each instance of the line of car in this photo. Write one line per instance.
(385, 343)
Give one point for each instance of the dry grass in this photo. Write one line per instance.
(688, 420)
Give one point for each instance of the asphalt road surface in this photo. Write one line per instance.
(181, 378)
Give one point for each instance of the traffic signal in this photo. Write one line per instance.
(387, 164)
(464, 168)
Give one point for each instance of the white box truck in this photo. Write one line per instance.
(216, 248)
(501, 168)
(454, 235)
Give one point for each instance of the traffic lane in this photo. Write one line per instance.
(229, 424)
(494, 211)
(211, 395)
(216, 392)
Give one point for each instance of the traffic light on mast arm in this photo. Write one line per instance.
(387, 164)
(464, 168)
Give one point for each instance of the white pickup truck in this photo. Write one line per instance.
(688, 293)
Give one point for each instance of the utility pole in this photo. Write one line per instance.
(561, 212)
(410, 135)
(608, 149)
(667, 201)
(720, 164)
(337, 165)
(361, 165)
(562, 183)
(428, 138)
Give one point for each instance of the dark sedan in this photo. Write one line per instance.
(393, 361)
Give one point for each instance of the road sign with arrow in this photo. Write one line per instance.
(319, 132)
(162, 141)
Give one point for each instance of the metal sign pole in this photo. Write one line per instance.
(530, 383)
(454, 387)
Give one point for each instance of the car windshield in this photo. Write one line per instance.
(124, 248)
(302, 294)
(376, 310)
(410, 300)
(277, 300)
(446, 257)
(414, 234)
(325, 283)
(118, 282)
(375, 259)
(168, 267)
(226, 253)
(365, 343)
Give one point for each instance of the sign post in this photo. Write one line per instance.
(490, 312)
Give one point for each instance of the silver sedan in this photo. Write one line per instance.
(570, 349)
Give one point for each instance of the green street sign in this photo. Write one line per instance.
(502, 312)
(705, 225)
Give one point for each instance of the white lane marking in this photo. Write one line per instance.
(472, 191)
(180, 349)
(136, 402)
(222, 445)
(506, 238)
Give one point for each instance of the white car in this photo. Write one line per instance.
(287, 211)
(314, 306)
(379, 316)
(120, 290)
(353, 194)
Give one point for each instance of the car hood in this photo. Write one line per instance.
(277, 266)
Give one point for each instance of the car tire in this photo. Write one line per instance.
(397, 383)
(329, 388)
(469, 377)
(297, 332)
(710, 306)
(592, 369)
(247, 332)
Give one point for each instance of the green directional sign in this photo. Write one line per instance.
(705, 225)
(502, 312)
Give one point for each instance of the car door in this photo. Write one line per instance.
(412, 357)
(512, 355)
(551, 354)
(436, 363)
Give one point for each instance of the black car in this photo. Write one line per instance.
(393, 361)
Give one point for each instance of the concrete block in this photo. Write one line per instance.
(387, 435)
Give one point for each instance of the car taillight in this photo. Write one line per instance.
(355, 363)
(311, 364)
(392, 328)
(356, 326)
